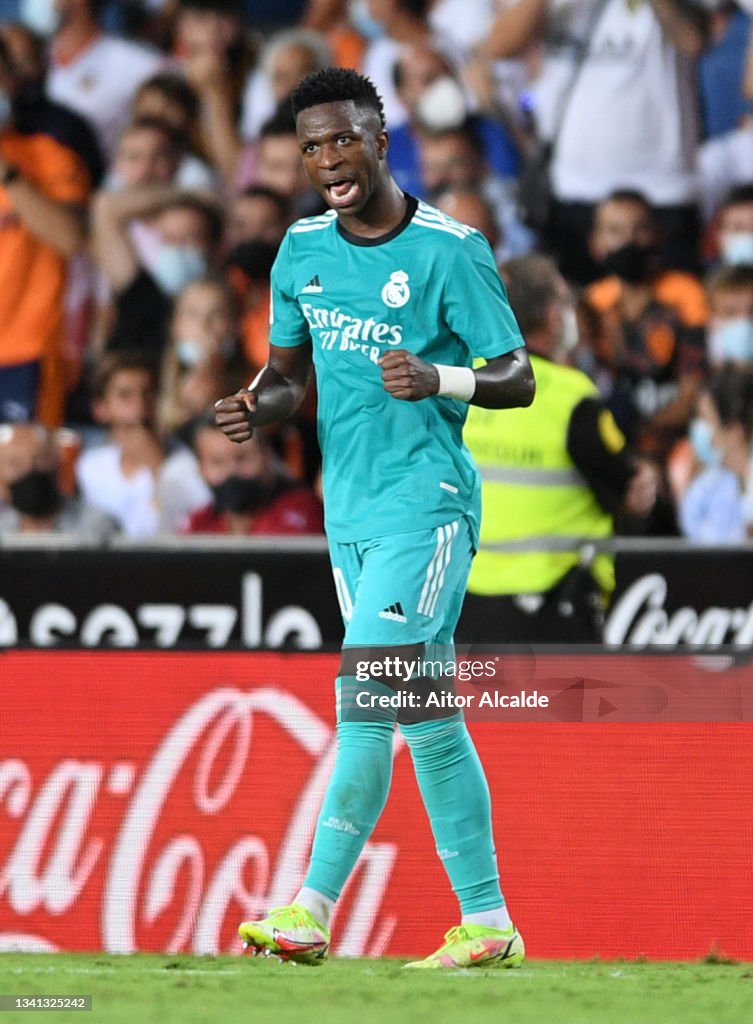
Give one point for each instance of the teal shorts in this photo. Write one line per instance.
(403, 589)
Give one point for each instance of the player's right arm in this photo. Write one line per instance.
(274, 395)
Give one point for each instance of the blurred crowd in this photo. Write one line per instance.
(149, 169)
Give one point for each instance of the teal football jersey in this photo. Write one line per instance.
(430, 286)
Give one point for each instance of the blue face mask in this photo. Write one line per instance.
(190, 353)
(738, 248)
(41, 16)
(735, 339)
(176, 265)
(362, 21)
(701, 433)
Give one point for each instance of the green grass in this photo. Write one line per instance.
(161, 989)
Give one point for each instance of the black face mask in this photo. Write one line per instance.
(36, 493)
(254, 258)
(632, 263)
(238, 494)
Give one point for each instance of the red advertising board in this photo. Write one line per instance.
(151, 801)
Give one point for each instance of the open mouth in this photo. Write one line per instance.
(342, 192)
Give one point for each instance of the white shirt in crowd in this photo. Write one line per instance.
(631, 118)
(99, 83)
(141, 504)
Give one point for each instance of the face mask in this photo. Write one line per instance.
(176, 265)
(734, 340)
(441, 107)
(190, 353)
(362, 21)
(700, 434)
(569, 336)
(238, 494)
(254, 258)
(737, 248)
(6, 109)
(41, 16)
(35, 493)
(631, 263)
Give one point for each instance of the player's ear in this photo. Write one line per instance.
(383, 143)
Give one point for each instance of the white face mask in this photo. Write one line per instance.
(176, 265)
(737, 247)
(41, 16)
(441, 106)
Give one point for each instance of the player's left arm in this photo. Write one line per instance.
(505, 382)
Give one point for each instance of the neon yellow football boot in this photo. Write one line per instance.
(291, 933)
(474, 945)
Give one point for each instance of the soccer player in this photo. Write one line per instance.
(391, 300)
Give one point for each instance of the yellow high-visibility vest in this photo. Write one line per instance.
(538, 512)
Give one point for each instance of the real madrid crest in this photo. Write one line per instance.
(396, 292)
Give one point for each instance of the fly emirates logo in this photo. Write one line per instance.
(338, 330)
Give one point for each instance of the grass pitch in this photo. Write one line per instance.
(142, 989)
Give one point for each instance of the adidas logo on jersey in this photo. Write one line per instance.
(394, 613)
(314, 285)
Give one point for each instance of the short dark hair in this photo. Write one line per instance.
(337, 85)
(732, 393)
(737, 196)
(281, 201)
(531, 283)
(121, 359)
(282, 122)
(156, 124)
(630, 195)
(176, 89)
(730, 278)
(206, 208)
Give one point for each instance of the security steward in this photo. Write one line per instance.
(554, 476)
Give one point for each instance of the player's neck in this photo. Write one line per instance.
(383, 212)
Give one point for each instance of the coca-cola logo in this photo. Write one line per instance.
(154, 877)
(639, 619)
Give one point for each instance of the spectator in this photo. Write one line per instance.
(36, 111)
(717, 507)
(43, 188)
(730, 338)
(403, 23)
(188, 229)
(168, 97)
(735, 225)
(455, 159)
(93, 73)
(287, 58)
(279, 165)
(29, 476)
(470, 207)
(259, 214)
(554, 478)
(652, 325)
(216, 54)
(615, 132)
(435, 100)
(148, 153)
(252, 494)
(203, 357)
(148, 483)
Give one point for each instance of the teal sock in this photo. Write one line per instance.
(355, 797)
(456, 797)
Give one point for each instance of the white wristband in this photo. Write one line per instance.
(456, 382)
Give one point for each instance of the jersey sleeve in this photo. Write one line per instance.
(475, 304)
(597, 447)
(287, 324)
